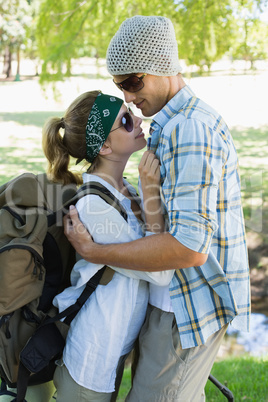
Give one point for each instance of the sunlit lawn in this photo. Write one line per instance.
(20, 151)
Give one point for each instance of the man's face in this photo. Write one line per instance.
(152, 97)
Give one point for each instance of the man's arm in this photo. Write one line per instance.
(154, 253)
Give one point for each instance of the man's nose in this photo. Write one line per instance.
(129, 96)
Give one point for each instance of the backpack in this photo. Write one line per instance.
(35, 264)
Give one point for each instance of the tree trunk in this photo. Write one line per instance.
(7, 62)
(68, 68)
(17, 78)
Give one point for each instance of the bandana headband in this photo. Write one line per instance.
(100, 121)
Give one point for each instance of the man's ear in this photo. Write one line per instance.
(105, 149)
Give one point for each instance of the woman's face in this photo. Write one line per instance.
(122, 142)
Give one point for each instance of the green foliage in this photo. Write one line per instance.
(17, 29)
(14, 20)
(204, 30)
(67, 29)
(250, 38)
(58, 31)
(31, 50)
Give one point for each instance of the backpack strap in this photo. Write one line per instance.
(4, 390)
(70, 313)
(97, 188)
(94, 188)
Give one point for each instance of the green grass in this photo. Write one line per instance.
(246, 377)
(20, 151)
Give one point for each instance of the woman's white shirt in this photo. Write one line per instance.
(109, 322)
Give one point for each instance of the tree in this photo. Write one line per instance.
(250, 42)
(68, 29)
(14, 20)
(204, 30)
(31, 48)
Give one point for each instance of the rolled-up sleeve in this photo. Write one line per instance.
(194, 167)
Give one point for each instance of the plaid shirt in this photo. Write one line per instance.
(201, 194)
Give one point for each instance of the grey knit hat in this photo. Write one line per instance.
(144, 45)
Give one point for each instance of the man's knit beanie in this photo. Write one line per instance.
(144, 45)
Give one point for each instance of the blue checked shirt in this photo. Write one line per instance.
(201, 194)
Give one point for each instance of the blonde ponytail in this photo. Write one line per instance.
(58, 147)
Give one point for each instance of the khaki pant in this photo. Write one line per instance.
(35, 393)
(69, 391)
(165, 372)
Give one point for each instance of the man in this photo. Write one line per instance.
(205, 241)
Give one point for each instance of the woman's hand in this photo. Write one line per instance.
(149, 171)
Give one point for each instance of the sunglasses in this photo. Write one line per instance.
(131, 84)
(127, 122)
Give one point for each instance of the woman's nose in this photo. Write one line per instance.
(138, 121)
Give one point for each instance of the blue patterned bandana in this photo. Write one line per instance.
(102, 116)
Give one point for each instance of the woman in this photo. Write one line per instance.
(99, 129)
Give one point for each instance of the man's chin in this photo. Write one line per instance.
(146, 113)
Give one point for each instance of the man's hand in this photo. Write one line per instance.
(77, 233)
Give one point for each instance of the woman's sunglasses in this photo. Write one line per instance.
(127, 122)
(131, 84)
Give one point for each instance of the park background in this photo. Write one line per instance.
(50, 52)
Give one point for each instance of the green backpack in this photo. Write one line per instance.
(35, 264)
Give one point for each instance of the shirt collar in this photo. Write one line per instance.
(165, 114)
(173, 106)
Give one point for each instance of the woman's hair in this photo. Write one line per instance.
(58, 148)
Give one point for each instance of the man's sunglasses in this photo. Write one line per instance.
(127, 122)
(131, 84)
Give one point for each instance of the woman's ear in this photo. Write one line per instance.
(105, 149)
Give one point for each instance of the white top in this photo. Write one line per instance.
(109, 322)
(160, 297)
